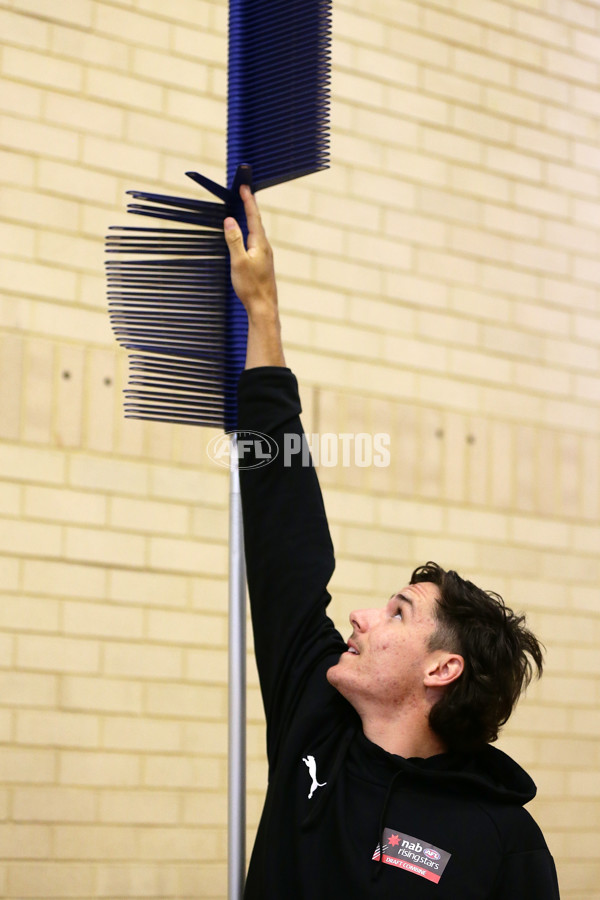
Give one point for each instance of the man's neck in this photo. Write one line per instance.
(403, 736)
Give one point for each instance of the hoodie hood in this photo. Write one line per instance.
(485, 774)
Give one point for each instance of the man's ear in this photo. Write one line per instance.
(443, 669)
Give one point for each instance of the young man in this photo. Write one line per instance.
(382, 782)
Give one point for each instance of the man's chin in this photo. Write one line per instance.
(335, 676)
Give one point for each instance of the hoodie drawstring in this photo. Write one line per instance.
(386, 803)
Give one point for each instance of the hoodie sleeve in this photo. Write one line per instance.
(528, 874)
(289, 554)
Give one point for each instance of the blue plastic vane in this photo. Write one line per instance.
(171, 302)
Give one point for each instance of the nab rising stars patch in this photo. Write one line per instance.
(412, 855)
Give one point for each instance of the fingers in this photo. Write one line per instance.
(256, 232)
(233, 236)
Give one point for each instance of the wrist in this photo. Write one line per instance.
(264, 314)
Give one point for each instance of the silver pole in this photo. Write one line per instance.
(236, 820)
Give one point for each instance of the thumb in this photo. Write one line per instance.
(233, 236)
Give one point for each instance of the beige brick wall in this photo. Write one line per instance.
(440, 283)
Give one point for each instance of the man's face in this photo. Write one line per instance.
(388, 652)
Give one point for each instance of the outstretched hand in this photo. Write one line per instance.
(253, 279)
(252, 270)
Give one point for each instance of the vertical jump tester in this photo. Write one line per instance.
(171, 302)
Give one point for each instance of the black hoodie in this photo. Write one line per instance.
(452, 826)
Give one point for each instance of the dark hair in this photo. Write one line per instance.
(500, 654)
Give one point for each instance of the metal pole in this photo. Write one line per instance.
(236, 821)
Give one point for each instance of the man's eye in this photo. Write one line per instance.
(398, 614)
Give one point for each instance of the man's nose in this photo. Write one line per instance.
(363, 619)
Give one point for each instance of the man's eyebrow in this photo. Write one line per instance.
(400, 596)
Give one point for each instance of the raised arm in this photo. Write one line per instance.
(289, 554)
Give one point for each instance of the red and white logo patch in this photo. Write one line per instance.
(411, 854)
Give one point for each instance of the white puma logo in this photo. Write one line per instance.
(310, 763)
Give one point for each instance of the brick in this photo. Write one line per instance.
(11, 371)
(139, 807)
(94, 842)
(477, 525)
(417, 354)
(77, 182)
(539, 532)
(185, 628)
(112, 475)
(83, 115)
(418, 46)
(189, 485)
(195, 107)
(25, 689)
(96, 545)
(142, 660)
(476, 242)
(479, 183)
(29, 538)
(186, 700)
(16, 97)
(418, 106)
(572, 354)
(213, 879)
(542, 28)
(540, 317)
(116, 22)
(50, 880)
(542, 86)
(584, 157)
(23, 30)
(25, 841)
(352, 25)
(170, 70)
(77, 44)
(308, 233)
(63, 321)
(23, 765)
(146, 880)
(102, 620)
(208, 666)
(186, 555)
(513, 46)
(21, 613)
(120, 157)
(341, 273)
(41, 68)
(137, 93)
(184, 771)
(385, 66)
(586, 43)
(96, 769)
(181, 843)
(144, 515)
(384, 189)
(586, 211)
(57, 654)
(64, 579)
(10, 499)
(587, 328)
(571, 66)
(140, 734)
(456, 30)
(210, 48)
(513, 106)
(64, 505)
(147, 588)
(57, 729)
